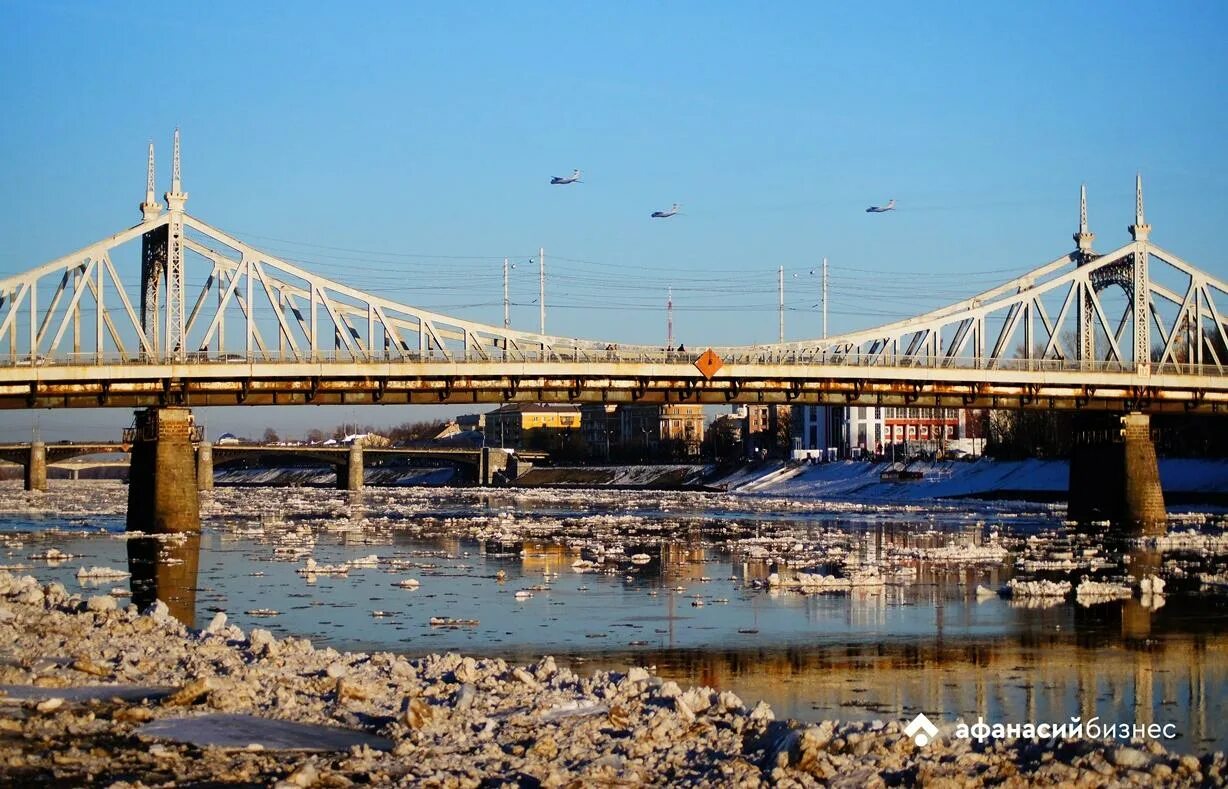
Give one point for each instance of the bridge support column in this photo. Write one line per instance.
(492, 462)
(162, 493)
(1114, 476)
(204, 466)
(36, 467)
(349, 474)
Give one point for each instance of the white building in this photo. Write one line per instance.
(830, 432)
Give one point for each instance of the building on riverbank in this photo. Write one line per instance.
(765, 430)
(531, 425)
(661, 431)
(830, 432)
(600, 427)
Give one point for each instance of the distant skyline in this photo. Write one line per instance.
(407, 149)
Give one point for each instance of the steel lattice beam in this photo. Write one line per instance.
(282, 316)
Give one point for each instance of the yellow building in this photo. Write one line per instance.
(525, 424)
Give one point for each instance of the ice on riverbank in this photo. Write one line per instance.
(1032, 478)
(445, 719)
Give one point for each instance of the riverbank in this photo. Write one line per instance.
(1185, 480)
(439, 720)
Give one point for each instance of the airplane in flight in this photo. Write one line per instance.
(881, 209)
(560, 180)
(666, 214)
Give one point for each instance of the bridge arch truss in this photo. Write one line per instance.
(210, 319)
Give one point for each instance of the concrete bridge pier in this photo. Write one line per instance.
(1114, 475)
(349, 473)
(204, 465)
(36, 467)
(162, 493)
(492, 461)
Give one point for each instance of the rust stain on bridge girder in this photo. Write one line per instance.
(662, 389)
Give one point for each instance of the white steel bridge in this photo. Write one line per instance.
(1133, 329)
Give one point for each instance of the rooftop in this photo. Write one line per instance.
(536, 408)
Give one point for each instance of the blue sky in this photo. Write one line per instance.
(428, 132)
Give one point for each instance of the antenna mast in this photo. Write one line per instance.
(669, 320)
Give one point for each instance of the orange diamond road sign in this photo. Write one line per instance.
(709, 363)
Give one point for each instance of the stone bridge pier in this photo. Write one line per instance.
(493, 461)
(36, 467)
(204, 465)
(349, 473)
(1115, 476)
(162, 482)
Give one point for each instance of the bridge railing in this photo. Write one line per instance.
(614, 355)
(149, 432)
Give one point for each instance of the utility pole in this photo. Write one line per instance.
(507, 304)
(541, 288)
(781, 288)
(669, 320)
(824, 298)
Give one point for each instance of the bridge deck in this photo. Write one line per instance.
(1029, 383)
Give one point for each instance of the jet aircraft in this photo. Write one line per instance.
(560, 180)
(666, 214)
(874, 209)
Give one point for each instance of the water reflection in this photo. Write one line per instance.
(1176, 680)
(934, 636)
(166, 569)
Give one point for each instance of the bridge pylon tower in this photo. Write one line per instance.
(1140, 231)
(162, 261)
(1084, 254)
(1128, 272)
(153, 260)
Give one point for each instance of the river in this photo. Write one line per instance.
(528, 573)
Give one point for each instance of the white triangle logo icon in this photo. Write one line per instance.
(921, 730)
